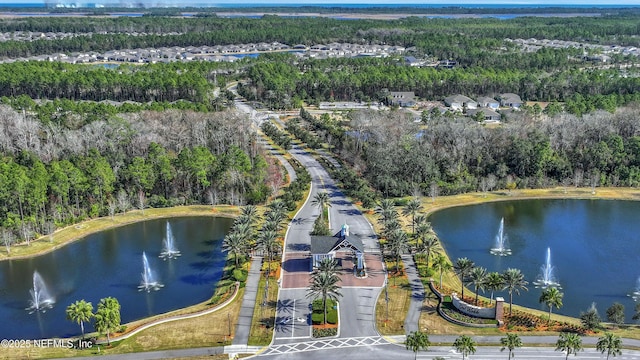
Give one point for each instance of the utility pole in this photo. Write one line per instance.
(229, 323)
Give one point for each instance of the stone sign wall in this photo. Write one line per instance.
(471, 310)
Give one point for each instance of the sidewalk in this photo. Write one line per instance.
(248, 303)
(417, 295)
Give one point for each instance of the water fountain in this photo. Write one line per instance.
(501, 247)
(41, 300)
(546, 278)
(169, 250)
(635, 295)
(148, 279)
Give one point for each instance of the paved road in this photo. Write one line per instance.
(357, 305)
(371, 350)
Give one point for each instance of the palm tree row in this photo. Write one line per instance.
(274, 220)
(511, 280)
(241, 238)
(243, 235)
(422, 239)
(569, 343)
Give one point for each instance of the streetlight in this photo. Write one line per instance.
(386, 298)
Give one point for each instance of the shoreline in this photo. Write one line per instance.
(80, 231)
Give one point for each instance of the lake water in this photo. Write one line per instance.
(109, 263)
(595, 247)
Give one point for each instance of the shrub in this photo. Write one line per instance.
(332, 316)
(240, 275)
(318, 333)
(317, 318)
(321, 227)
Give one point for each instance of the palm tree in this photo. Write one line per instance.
(326, 286)
(511, 341)
(610, 343)
(80, 312)
(268, 242)
(236, 244)
(328, 265)
(391, 226)
(278, 206)
(441, 263)
(465, 345)
(397, 244)
(416, 341)
(426, 241)
(420, 219)
(570, 343)
(386, 210)
(514, 282)
(250, 211)
(494, 282)
(551, 297)
(273, 220)
(478, 278)
(462, 268)
(321, 200)
(412, 208)
(107, 317)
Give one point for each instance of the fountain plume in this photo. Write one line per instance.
(169, 250)
(149, 281)
(547, 278)
(501, 246)
(41, 299)
(635, 295)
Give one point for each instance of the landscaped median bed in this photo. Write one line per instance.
(320, 329)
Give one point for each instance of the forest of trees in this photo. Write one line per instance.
(444, 38)
(80, 141)
(52, 176)
(457, 155)
(282, 84)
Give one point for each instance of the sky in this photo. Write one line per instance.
(373, 2)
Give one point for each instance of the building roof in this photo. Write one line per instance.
(510, 97)
(327, 244)
(458, 99)
(484, 111)
(487, 100)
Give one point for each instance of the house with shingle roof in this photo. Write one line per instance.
(323, 247)
(460, 102)
(510, 100)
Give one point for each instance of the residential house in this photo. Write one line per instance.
(402, 98)
(487, 114)
(488, 102)
(511, 100)
(460, 103)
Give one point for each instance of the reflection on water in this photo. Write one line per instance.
(109, 264)
(594, 245)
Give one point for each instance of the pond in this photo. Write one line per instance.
(593, 247)
(110, 263)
